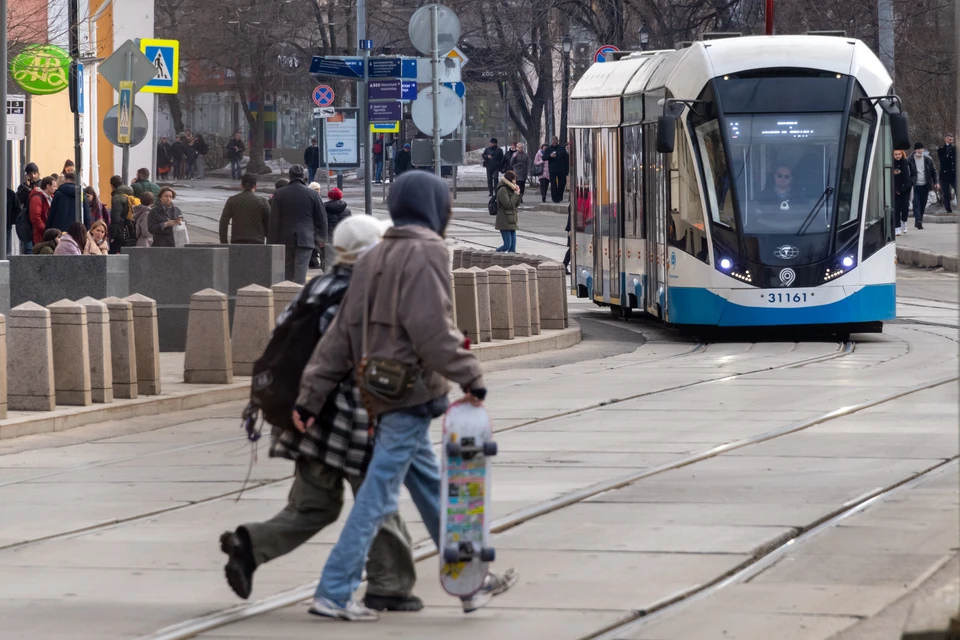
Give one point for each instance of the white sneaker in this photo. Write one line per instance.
(493, 585)
(898, 230)
(903, 229)
(352, 611)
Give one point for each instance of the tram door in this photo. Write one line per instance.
(654, 190)
(607, 231)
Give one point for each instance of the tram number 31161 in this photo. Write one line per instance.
(774, 298)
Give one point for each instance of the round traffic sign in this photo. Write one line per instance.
(451, 110)
(603, 52)
(448, 29)
(323, 95)
(139, 126)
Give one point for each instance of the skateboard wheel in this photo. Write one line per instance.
(490, 448)
(488, 554)
(451, 554)
(454, 450)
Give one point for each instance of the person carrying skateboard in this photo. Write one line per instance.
(337, 447)
(402, 349)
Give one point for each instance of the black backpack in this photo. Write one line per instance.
(276, 374)
(492, 205)
(24, 226)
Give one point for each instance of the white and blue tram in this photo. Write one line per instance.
(738, 182)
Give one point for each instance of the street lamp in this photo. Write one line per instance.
(643, 34)
(567, 45)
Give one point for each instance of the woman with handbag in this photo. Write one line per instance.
(164, 218)
(541, 169)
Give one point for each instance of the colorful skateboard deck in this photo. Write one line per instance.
(465, 549)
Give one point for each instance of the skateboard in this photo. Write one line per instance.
(465, 547)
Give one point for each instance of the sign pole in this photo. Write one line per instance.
(77, 142)
(326, 155)
(125, 162)
(435, 68)
(4, 159)
(365, 108)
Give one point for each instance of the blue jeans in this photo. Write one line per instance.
(378, 172)
(312, 172)
(509, 242)
(403, 453)
(235, 168)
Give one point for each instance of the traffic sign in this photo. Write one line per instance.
(451, 110)
(421, 32)
(405, 68)
(366, 45)
(110, 126)
(125, 113)
(458, 87)
(603, 52)
(385, 111)
(164, 55)
(392, 90)
(114, 68)
(76, 87)
(323, 95)
(344, 67)
(447, 71)
(385, 127)
(16, 116)
(320, 113)
(458, 54)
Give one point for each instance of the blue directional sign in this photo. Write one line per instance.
(393, 90)
(405, 68)
(385, 111)
(458, 87)
(347, 67)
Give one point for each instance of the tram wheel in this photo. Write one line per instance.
(616, 311)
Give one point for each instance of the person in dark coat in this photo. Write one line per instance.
(142, 184)
(249, 213)
(926, 179)
(63, 209)
(947, 155)
(176, 157)
(163, 218)
(311, 158)
(904, 176)
(559, 165)
(297, 220)
(336, 209)
(13, 212)
(31, 178)
(492, 159)
(520, 164)
(164, 159)
(402, 161)
(235, 149)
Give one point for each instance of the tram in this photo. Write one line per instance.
(738, 182)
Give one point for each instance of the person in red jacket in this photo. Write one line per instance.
(40, 199)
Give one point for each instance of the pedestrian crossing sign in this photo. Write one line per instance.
(125, 113)
(165, 56)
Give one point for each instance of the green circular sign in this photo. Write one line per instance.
(41, 69)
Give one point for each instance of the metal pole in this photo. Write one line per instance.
(435, 69)
(364, 94)
(768, 15)
(74, 20)
(326, 154)
(564, 105)
(125, 159)
(4, 160)
(885, 25)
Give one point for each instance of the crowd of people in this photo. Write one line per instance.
(184, 158)
(916, 175)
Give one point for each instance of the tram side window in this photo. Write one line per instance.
(632, 181)
(878, 225)
(856, 152)
(685, 230)
(584, 187)
(716, 174)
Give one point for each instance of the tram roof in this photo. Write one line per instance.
(685, 71)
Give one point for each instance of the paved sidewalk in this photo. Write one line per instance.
(933, 246)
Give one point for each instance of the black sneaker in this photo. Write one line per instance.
(920, 226)
(241, 565)
(392, 603)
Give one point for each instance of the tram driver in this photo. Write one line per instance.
(782, 190)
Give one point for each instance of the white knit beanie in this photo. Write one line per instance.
(354, 236)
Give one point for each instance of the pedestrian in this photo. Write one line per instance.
(97, 244)
(378, 159)
(164, 160)
(68, 169)
(235, 149)
(73, 241)
(164, 217)
(492, 159)
(176, 156)
(202, 150)
(48, 243)
(31, 178)
(926, 177)
(98, 211)
(947, 154)
(541, 169)
(142, 184)
(279, 184)
(141, 220)
(63, 207)
(508, 197)
(337, 448)
(249, 213)
(520, 163)
(311, 158)
(508, 157)
(121, 207)
(14, 210)
(38, 207)
(415, 334)
(297, 221)
(189, 158)
(402, 161)
(566, 256)
(318, 257)
(336, 209)
(904, 175)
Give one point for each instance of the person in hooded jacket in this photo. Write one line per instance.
(508, 197)
(48, 244)
(31, 178)
(63, 207)
(336, 209)
(73, 241)
(141, 220)
(415, 330)
(543, 166)
(402, 161)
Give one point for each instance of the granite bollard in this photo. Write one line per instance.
(501, 303)
(520, 289)
(30, 384)
(208, 359)
(468, 313)
(123, 348)
(283, 294)
(550, 281)
(146, 338)
(457, 259)
(71, 353)
(253, 321)
(483, 303)
(534, 292)
(466, 258)
(98, 339)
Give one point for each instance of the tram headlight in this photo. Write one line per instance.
(847, 262)
(725, 264)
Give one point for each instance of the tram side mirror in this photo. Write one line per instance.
(900, 130)
(666, 133)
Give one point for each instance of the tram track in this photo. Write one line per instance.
(425, 549)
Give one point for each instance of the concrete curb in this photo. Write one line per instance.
(945, 218)
(926, 259)
(64, 418)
